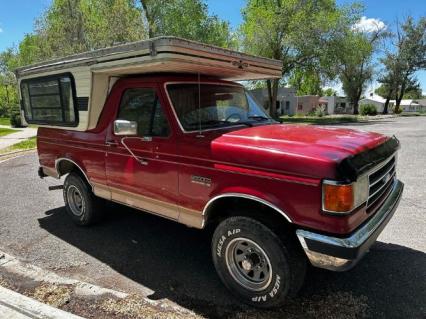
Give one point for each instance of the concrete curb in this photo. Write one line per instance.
(15, 305)
(16, 152)
(12, 155)
(12, 265)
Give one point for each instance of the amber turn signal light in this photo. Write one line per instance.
(338, 198)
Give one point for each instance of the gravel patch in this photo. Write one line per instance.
(53, 295)
(136, 307)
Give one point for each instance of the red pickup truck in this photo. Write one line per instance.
(200, 151)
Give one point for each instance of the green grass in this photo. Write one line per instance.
(21, 146)
(409, 114)
(6, 131)
(320, 120)
(4, 121)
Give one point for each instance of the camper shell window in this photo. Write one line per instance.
(50, 100)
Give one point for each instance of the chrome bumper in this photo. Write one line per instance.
(340, 254)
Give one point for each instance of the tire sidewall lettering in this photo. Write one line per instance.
(223, 239)
(269, 295)
(271, 291)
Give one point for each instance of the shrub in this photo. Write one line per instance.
(319, 111)
(368, 109)
(397, 110)
(15, 117)
(311, 113)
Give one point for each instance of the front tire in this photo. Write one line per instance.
(255, 264)
(81, 204)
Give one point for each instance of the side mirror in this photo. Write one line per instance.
(123, 127)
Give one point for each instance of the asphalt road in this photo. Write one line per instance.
(137, 252)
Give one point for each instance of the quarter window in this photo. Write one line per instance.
(143, 107)
(50, 100)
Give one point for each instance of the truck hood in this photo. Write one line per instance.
(303, 150)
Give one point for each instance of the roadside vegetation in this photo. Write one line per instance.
(324, 120)
(6, 131)
(4, 121)
(27, 144)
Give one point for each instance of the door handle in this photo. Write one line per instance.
(143, 161)
(111, 143)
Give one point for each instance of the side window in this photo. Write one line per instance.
(49, 100)
(143, 106)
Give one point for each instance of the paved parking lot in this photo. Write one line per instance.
(144, 254)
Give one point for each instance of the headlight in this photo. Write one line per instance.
(343, 198)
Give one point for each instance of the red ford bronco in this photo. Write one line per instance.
(158, 126)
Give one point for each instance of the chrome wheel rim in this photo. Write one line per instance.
(75, 200)
(248, 264)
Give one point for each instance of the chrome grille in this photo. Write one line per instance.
(381, 180)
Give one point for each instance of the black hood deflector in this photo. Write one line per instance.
(354, 166)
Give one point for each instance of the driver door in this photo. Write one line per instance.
(136, 173)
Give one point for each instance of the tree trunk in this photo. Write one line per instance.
(388, 97)
(398, 97)
(272, 87)
(275, 83)
(401, 94)
(386, 106)
(356, 107)
(269, 89)
(148, 18)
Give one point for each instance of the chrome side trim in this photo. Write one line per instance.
(58, 160)
(356, 240)
(251, 197)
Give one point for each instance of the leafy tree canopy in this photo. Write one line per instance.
(188, 19)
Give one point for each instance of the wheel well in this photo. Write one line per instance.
(66, 166)
(225, 207)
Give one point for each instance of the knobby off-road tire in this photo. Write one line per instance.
(82, 205)
(255, 264)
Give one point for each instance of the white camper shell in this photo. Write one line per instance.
(70, 92)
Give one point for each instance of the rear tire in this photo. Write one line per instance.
(81, 204)
(255, 264)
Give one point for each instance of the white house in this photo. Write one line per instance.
(288, 103)
(377, 101)
(337, 105)
(411, 105)
(286, 99)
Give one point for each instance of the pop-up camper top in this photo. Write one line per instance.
(70, 92)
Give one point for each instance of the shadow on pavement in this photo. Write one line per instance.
(174, 261)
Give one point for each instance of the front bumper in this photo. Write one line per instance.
(340, 254)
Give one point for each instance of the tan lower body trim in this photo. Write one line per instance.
(174, 212)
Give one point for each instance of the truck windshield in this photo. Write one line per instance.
(219, 106)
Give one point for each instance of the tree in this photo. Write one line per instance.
(295, 32)
(81, 25)
(188, 19)
(306, 82)
(72, 26)
(329, 92)
(408, 57)
(354, 60)
(413, 91)
(67, 27)
(8, 93)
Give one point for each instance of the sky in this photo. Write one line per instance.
(17, 16)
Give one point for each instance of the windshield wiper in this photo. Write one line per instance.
(208, 123)
(259, 117)
(216, 122)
